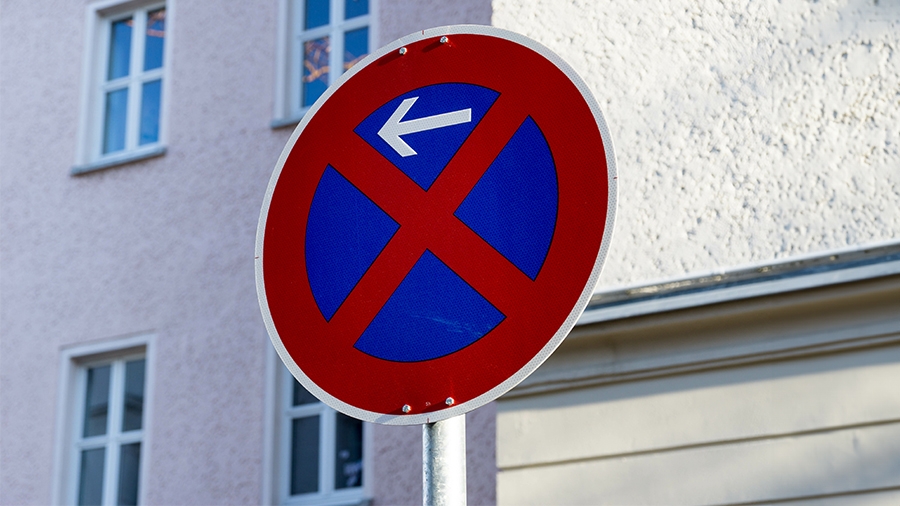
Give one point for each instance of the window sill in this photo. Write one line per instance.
(290, 121)
(120, 159)
(338, 499)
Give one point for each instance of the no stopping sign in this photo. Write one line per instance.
(435, 225)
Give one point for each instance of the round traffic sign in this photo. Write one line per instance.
(435, 225)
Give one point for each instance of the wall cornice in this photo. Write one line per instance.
(779, 326)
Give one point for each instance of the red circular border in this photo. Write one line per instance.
(530, 85)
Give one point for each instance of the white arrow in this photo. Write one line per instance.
(394, 127)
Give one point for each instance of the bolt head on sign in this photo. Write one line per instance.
(435, 225)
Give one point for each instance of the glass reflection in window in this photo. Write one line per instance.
(316, 13)
(355, 8)
(156, 34)
(96, 406)
(315, 69)
(348, 459)
(129, 469)
(90, 483)
(119, 49)
(356, 46)
(132, 414)
(304, 455)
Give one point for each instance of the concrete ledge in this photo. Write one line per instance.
(116, 160)
(791, 275)
(286, 122)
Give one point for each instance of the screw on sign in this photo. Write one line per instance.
(435, 225)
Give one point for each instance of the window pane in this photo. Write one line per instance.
(302, 395)
(156, 32)
(315, 69)
(129, 468)
(316, 13)
(132, 414)
(96, 405)
(119, 49)
(305, 455)
(356, 46)
(348, 461)
(90, 483)
(114, 122)
(354, 8)
(150, 98)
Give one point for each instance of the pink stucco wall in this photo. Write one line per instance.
(163, 246)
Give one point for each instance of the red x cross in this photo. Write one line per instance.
(427, 222)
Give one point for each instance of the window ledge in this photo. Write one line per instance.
(353, 500)
(122, 159)
(289, 121)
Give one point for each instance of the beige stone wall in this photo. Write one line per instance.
(784, 397)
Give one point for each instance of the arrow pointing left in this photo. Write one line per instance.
(394, 127)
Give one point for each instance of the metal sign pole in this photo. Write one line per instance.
(444, 462)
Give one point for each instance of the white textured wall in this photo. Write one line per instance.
(745, 130)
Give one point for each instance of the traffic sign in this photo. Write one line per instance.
(435, 225)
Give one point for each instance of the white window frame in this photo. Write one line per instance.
(74, 364)
(277, 485)
(100, 16)
(291, 36)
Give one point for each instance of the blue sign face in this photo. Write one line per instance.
(431, 124)
(434, 312)
(436, 225)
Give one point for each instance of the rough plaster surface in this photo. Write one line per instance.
(162, 246)
(746, 131)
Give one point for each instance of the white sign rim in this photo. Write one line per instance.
(577, 310)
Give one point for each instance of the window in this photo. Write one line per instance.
(102, 422)
(324, 35)
(108, 442)
(322, 451)
(125, 103)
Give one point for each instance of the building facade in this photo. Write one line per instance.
(741, 344)
(772, 384)
(136, 142)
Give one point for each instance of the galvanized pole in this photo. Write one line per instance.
(444, 462)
